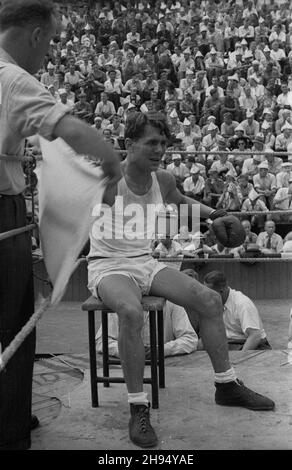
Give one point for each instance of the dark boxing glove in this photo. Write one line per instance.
(227, 228)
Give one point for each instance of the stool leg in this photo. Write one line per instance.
(161, 366)
(104, 326)
(92, 359)
(153, 351)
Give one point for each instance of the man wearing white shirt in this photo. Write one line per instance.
(178, 169)
(277, 53)
(194, 185)
(269, 241)
(244, 328)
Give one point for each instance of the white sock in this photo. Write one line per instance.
(224, 377)
(138, 398)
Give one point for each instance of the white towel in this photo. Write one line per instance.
(69, 187)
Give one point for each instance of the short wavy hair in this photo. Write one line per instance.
(20, 13)
(137, 122)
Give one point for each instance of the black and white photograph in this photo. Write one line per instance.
(146, 229)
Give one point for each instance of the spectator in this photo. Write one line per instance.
(194, 185)
(244, 328)
(231, 198)
(167, 248)
(269, 241)
(105, 108)
(265, 184)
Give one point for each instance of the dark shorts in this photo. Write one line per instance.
(16, 307)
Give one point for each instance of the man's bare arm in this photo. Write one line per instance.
(86, 141)
(173, 196)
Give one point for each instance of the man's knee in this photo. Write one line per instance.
(206, 302)
(130, 316)
(212, 304)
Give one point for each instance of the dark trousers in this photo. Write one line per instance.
(16, 307)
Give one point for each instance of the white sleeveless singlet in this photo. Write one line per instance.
(127, 228)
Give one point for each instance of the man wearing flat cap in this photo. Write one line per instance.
(194, 185)
(265, 184)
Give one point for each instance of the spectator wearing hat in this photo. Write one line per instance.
(231, 198)
(88, 35)
(210, 139)
(63, 98)
(186, 135)
(175, 125)
(282, 178)
(254, 203)
(194, 185)
(187, 83)
(285, 138)
(274, 163)
(265, 184)
(187, 63)
(205, 121)
(250, 125)
(178, 169)
(269, 241)
(97, 124)
(256, 69)
(49, 77)
(213, 64)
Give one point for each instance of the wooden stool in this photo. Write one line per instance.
(151, 304)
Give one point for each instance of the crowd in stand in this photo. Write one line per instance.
(221, 72)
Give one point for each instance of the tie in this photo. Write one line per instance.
(269, 242)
